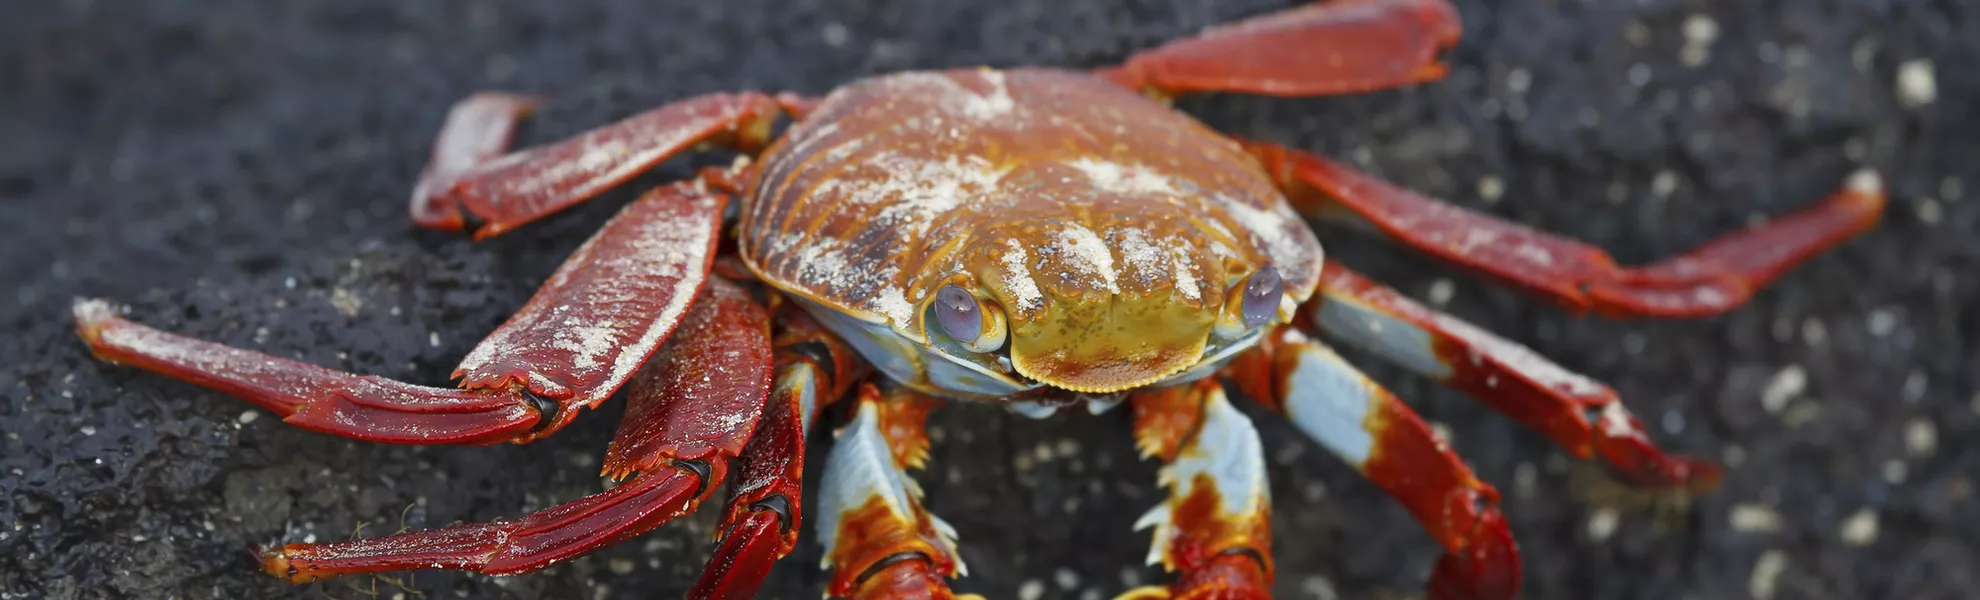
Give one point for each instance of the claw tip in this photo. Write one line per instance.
(90, 315)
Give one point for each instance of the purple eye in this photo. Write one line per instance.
(1261, 297)
(957, 313)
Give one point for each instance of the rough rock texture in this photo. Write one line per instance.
(237, 169)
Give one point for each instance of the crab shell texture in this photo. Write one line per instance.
(1108, 233)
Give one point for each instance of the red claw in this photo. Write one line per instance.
(1486, 569)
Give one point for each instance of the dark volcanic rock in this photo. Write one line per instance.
(238, 169)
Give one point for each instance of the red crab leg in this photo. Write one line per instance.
(468, 186)
(477, 130)
(1323, 48)
(879, 541)
(578, 339)
(1356, 419)
(1215, 530)
(814, 369)
(1710, 279)
(688, 411)
(1582, 415)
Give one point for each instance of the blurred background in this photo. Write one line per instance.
(238, 170)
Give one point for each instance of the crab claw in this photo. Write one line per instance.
(1486, 569)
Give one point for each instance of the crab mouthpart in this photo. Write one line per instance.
(1095, 350)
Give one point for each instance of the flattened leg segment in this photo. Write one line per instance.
(608, 308)
(309, 396)
(1711, 279)
(604, 312)
(495, 194)
(508, 547)
(1366, 426)
(879, 541)
(703, 392)
(1323, 48)
(766, 510)
(1214, 532)
(1583, 416)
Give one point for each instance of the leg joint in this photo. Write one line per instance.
(702, 471)
(779, 504)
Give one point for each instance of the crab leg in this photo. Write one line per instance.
(469, 184)
(1710, 279)
(879, 541)
(689, 411)
(1215, 529)
(1584, 416)
(1323, 48)
(814, 369)
(1356, 419)
(603, 313)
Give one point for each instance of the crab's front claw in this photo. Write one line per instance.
(1487, 569)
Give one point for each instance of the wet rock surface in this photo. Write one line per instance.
(237, 170)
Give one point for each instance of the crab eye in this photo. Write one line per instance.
(1261, 297)
(958, 315)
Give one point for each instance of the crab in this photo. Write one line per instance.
(1031, 238)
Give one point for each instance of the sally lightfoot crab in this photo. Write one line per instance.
(1035, 238)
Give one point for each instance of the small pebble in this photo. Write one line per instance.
(1813, 332)
(1031, 589)
(88, 430)
(1766, 572)
(1066, 578)
(1441, 291)
(1700, 29)
(1860, 529)
(1916, 85)
(1895, 471)
(1491, 188)
(1639, 74)
(1664, 184)
(1921, 437)
(1929, 211)
(247, 416)
(1755, 518)
(1733, 456)
(1789, 382)
(1602, 524)
(1319, 588)
(1673, 422)
(835, 34)
(621, 565)
(1518, 81)
(1882, 321)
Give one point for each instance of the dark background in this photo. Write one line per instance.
(238, 170)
